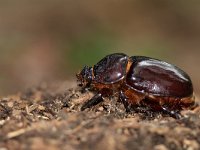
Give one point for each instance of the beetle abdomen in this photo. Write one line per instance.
(158, 78)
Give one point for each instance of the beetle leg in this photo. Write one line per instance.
(172, 113)
(93, 101)
(125, 102)
(85, 89)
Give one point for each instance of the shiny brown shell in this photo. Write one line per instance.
(158, 78)
(110, 69)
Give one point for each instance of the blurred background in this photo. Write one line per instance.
(47, 41)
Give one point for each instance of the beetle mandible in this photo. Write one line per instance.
(139, 80)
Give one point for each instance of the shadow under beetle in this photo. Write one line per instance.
(139, 80)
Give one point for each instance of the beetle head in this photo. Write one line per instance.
(85, 77)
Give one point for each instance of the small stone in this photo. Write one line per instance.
(160, 147)
(40, 107)
(101, 108)
(10, 104)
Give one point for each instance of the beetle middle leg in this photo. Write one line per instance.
(172, 110)
(125, 102)
(96, 99)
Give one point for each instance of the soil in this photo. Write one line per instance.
(49, 117)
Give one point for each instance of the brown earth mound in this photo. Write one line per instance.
(49, 117)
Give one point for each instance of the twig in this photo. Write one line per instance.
(17, 133)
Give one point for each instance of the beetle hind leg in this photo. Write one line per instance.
(173, 113)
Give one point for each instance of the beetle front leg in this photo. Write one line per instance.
(124, 100)
(96, 99)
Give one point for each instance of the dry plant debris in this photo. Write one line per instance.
(49, 117)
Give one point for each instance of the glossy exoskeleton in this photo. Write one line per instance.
(139, 80)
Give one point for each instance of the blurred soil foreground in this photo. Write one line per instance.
(49, 117)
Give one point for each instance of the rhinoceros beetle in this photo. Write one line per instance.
(139, 80)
